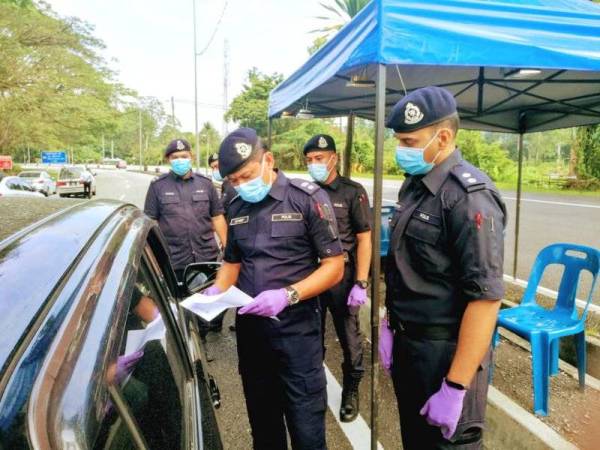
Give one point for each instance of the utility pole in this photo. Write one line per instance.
(197, 142)
(173, 117)
(103, 149)
(112, 149)
(140, 127)
(225, 85)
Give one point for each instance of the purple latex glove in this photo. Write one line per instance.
(386, 345)
(212, 290)
(126, 364)
(267, 303)
(443, 409)
(357, 296)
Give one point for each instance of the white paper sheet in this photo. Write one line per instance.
(136, 339)
(210, 306)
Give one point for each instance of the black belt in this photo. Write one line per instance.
(431, 332)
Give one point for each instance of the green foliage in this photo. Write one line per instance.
(250, 107)
(588, 152)
(487, 156)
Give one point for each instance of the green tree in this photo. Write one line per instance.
(587, 152)
(487, 156)
(339, 13)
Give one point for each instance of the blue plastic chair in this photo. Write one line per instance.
(544, 328)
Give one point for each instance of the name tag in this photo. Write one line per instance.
(338, 205)
(200, 191)
(287, 217)
(427, 217)
(239, 220)
(169, 193)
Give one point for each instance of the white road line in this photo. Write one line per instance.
(548, 202)
(357, 432)
(122, 197)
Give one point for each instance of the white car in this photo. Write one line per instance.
(70, 181)
(41, 181)
(17, 187)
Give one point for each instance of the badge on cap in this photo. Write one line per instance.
(215, 156)
(180, 145)
(412, 114)
(243, 149)
(322, 142)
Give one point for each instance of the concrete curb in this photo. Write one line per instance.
(511, 426)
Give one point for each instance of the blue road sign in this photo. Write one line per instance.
(54, 157)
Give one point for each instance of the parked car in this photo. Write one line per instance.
(96, 274)
(16, 187)
(41, 181)
(121, 164)
(70, 182)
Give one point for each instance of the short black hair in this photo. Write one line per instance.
(452, 122)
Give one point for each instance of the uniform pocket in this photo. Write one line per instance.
(170, 204)
(424, 232)
(200, 202)
(287, 229)
(240, 231)
(315, 383)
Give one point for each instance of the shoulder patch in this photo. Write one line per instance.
(307, 186)
(160, 177)
(470, 178)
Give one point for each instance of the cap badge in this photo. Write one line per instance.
(322, 142)
(243, 149)
(412, 114)
(180, 145)
(215, 156)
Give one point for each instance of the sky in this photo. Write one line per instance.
(149, 43)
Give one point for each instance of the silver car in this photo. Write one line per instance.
(41, 181)
(17, 187)
(70, 181)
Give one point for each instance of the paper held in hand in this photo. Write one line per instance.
(210, 306)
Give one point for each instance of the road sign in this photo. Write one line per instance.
(54, 157)
(6, 162)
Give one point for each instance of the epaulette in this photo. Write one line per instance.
(160, 177)
(471, 179)
(307, 186)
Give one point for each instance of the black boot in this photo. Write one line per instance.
(349, 407)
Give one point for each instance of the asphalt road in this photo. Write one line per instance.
(545, 219)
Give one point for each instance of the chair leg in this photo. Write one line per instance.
(540, 353)
(581, 357)
(554, 354)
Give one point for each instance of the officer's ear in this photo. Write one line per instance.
(269, 160)
(445, 137)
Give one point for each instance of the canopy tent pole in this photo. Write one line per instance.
(347, 157)
(376, 239)
(518, 208)
(270, 133)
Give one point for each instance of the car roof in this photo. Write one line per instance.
(34, 261)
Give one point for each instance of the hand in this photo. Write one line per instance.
(357, 296)
(267, 303)
(443, 409)
(386, 345)
(126, 364)
(211, 290)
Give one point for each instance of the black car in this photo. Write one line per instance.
(74, 289)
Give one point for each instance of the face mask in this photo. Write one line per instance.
(319, 171)
(181, 166)
(411, 159)
(255, 190)
(216, 175)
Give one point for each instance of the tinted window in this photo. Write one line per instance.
(14, 185)
(70, 172)
(30, 175)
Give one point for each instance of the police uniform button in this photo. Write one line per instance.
(485, 289)
(328, 251)
(466, 175)
(472, 180)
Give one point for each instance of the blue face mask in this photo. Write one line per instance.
(216, 175)
(255, 190)
(181, 166)
(411, 159)
(319, 171)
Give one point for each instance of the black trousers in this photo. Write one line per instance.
(346, 324)
(281, 365)
(87, 188)
(418, 368)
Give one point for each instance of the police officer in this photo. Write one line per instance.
(227, 190)
(351, 209)
(443, 278)
(283, 250)
(188, 210)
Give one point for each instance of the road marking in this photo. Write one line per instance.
(122, 197)
(357, 432)
(548, 202)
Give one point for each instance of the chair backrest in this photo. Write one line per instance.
(574, 258)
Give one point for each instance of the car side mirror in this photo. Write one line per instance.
(198, 276)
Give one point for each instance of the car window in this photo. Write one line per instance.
(69, 172)
(26, 186)
(148, 375)
(30, 175)
(14, 185)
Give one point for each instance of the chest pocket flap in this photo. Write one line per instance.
(287, 225)
(424, 227)
(200, 196)
(169, 199)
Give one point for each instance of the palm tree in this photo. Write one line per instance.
(340, 13)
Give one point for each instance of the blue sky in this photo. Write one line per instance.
(150, 44)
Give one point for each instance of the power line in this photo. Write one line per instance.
(214, 33)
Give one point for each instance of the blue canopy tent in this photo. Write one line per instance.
(513, 65)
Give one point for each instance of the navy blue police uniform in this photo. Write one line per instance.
(447, 247)
(226, 190)
(351, 209)
(278, 242)
(184, 208)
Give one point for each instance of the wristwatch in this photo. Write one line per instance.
(292, 295)
(363, 283)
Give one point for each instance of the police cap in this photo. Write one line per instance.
(236, 149)
(421, 108)
(177, 145)
(319, 142)
(212, 158)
